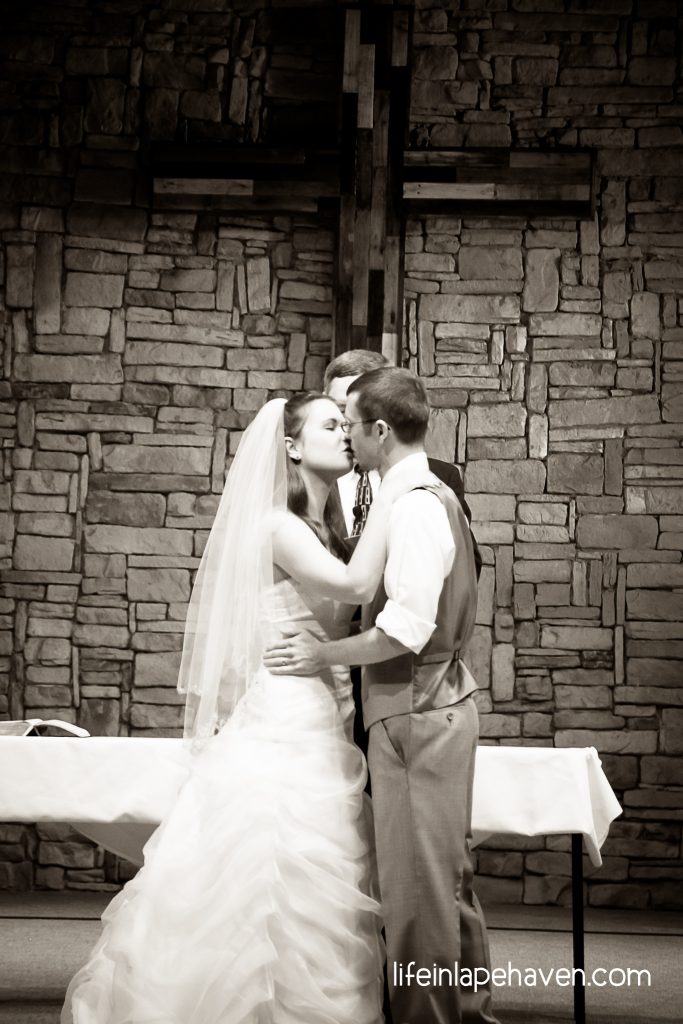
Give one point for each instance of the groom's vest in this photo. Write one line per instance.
(435, 677)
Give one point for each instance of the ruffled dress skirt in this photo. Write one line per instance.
(256, 903)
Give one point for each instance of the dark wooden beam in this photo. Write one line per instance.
(368, 304)
(214, 176)
(499, 180)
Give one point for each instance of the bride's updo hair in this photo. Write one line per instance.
(331, 531)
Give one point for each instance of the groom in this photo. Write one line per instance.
(357, 486)
(418, 707)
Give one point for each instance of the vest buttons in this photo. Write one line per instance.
(449, 716)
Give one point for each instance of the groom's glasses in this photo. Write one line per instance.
(347, 424)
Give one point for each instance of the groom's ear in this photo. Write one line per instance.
(383, 429)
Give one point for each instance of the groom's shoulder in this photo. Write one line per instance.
(425, 490)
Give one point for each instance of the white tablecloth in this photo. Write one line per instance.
(115, 790)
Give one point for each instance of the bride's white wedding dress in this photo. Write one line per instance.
(257, 900)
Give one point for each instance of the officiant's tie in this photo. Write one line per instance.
(362, 504)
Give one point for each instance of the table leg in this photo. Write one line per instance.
(577, 928)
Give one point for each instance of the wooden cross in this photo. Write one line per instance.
(373, 177)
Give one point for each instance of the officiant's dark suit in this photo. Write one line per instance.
(450, 475)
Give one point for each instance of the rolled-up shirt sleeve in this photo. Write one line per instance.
(421, 551)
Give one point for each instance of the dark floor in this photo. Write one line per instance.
(45, 936)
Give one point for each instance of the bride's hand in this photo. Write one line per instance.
(297, 654)
(394, 486)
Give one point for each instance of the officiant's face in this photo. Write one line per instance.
(337, 389)
(322, 443)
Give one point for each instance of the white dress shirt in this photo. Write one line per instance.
(421, 550)
(347, 485)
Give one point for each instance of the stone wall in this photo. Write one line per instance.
(137, 344)
(552, 350)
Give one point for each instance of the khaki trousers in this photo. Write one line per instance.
(422, 770)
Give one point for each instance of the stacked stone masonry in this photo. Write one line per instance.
(137, 345)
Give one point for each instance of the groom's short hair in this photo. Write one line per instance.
(352, 364)
(397, 396)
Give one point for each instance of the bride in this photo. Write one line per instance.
(257, 900)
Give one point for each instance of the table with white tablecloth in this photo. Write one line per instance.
(116, 790)
(120, 781)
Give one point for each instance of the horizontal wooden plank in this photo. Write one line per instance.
(318, 189)
(456, 157)
(543, 190)
(204, 186)
(205, 153)
(318, 177)
(508, 175)
(310, 170)
(498, 208)
(453, 180)
(270, 204)
(448, 190)
(520, 159)
(527, 158)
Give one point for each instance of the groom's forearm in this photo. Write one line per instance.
(366, 648)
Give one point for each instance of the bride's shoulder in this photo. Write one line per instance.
(288, 534)
(280, 519)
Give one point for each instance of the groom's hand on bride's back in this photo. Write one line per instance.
(296, 654)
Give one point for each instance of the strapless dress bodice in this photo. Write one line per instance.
(289, 605)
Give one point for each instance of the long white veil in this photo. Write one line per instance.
(224, 633)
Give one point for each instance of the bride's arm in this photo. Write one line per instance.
(297, 551)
